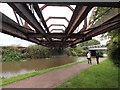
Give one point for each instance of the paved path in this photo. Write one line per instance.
(51, 79)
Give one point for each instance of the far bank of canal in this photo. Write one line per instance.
(10, 69)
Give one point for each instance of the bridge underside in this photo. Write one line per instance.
(41, 33)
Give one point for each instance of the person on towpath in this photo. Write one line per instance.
(97, 57)
(89, 57)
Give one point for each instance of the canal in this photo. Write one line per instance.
(10, 69)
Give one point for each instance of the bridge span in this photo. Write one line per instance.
(95, 47)
(40, 32)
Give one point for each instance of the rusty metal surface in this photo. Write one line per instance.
(94, 3)
(26, 14)
(36, 7)
(57, 30)
(55, 35)
(57, 25)
(57, 18)
(41, 34)
(63, 5)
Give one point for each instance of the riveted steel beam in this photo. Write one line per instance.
(87, 3)
(64, 5)
(36, 7)
(27, 15)
(97, 31)
(12, 28)
(57, 25)
(78, 16)
(57, 30)
(55, 35)
(82, 13)
(57, 18)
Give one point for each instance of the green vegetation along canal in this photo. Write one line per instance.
(10, 69)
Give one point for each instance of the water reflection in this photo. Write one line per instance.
(10, 69)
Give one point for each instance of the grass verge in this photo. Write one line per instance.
(104, 75)
(27, 75)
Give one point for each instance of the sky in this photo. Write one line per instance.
(6, 40)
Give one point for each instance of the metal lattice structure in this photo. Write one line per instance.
(41, 34)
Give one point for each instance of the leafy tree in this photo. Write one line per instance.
(113, 45)
(90, 42)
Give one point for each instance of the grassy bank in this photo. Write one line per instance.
(20, 77)
(104, 75)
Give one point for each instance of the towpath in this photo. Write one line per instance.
(53, 78)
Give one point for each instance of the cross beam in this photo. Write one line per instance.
(57, 18)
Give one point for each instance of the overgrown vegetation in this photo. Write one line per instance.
(99, 11)
(16, 53)
(38, 51)
(78, 51)
(104, 75)
(13, 53)
(89, 43)
(113, 45)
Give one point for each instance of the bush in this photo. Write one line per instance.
(37, 51)
(114, 46)
(13, 56)
(78, 51)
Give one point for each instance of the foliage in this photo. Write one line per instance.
(27, 75)
(114, 46)
(97, 76)
(99, 11)
(37, 51)
(90, 42)
(13, 56)
(16, 53)
(78, 51)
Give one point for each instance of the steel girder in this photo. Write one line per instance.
(57, 18)
(99, 4)
(64, 5)
(78, 16)
(12, 28)
(57, 25)
(36, 7)
(82, 13)
(27, 15)
(57, 30)
(100, 30)
(56, 35)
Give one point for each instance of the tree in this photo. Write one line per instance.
(90, 42)
(113, 45)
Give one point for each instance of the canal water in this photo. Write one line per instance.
(10, 69)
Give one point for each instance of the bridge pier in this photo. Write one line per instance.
(93, 52)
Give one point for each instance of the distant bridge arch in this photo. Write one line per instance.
(93, 48)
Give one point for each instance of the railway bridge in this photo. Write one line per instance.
(36, 29)
(94, 48)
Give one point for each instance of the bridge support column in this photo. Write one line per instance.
(93, 52)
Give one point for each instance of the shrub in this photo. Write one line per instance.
(13, 56)
(37, 51)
